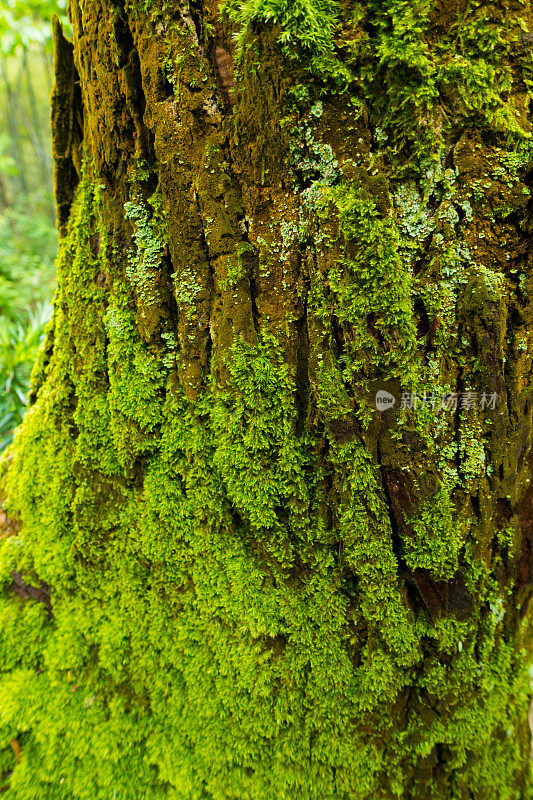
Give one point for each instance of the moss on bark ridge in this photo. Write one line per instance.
(261, 586)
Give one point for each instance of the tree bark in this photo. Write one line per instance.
(257, 579)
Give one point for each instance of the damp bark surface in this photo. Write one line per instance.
(229, 571)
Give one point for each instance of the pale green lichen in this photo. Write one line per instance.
(149, 244)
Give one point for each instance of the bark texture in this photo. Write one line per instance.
(226, 575)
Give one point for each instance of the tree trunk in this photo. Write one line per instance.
(269, 517)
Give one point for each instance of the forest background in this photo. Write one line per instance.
(28, 236)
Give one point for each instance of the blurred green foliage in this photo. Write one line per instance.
(27, 248)
(28, 238)
(19, 343)
(28, 243)
(23, 22)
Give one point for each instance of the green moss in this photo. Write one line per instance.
(401, 75)
(308, 24)
(258, 456)
(238, 267)
(145, 261)
(372, 292)
(235, 539)
(135, 380)
(436, 538)
(363, 522)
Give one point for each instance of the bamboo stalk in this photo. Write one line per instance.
(16, 152)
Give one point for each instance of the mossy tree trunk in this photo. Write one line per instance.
(227, 573)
